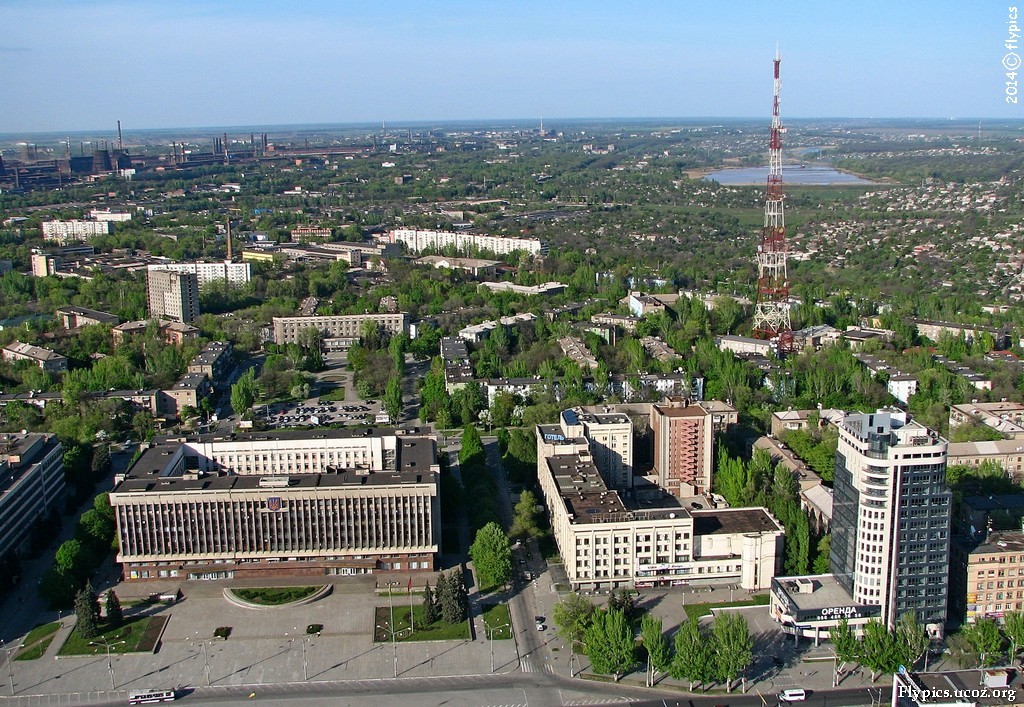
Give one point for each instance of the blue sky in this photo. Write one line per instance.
(78, 65)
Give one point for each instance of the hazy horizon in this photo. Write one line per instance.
(73, 66)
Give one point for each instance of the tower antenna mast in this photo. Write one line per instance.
(771, 315)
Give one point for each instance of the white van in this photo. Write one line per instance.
(794, 695)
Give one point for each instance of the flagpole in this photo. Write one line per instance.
(412, 619)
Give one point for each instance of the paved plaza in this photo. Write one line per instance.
(266, 646)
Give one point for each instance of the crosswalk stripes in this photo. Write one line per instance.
(593, 701)
(527, 666)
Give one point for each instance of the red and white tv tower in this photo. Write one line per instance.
(771, 316)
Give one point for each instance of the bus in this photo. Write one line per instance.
(146, 697)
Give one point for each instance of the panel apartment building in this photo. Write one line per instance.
(64, 232)
(173, 295)
(890, 531)
(339, 331)
(417, 241)
(31, 486)
(610, 538)
(329, 502)
(234, 274)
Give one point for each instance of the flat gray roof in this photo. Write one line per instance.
(827, 592)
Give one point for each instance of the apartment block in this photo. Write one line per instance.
(31, 486)
(63, 232)
(417, 240)
(173, 295)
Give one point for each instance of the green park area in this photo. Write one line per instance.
(135, 636)
(418, 629)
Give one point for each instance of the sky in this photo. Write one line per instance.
(70, 65)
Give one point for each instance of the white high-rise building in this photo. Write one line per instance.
(417, 240)
(173, 295)
(891, 516)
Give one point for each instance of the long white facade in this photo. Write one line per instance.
(235, 274)
(417, 240)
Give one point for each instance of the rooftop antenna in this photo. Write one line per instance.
(120, 142)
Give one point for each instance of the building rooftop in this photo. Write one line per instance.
(36, 352)
(18, 452)
(103, 317)
(733, 520)
(827, 592)
(1001, 541)
(415, 457)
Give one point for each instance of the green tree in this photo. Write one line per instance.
(70, 558)
(431, 613)
(472, 451)
(58, 588)
(87, 610)
(393, 399)
(659, 654)
(845, 642)
(115, 615)
(879, 649)
(821, 561)
(451, 597)
(492, 556)
(101, 461)
(694, 654)
(984, 638)
(573, 616)
(1013, 627)
(524, 517)
(622, 600)
(911, 639)
(609, 643)
(244, 392)
(733, 646)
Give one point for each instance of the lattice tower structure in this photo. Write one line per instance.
(771, 315)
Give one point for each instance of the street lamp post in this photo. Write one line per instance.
(10, 665)
(305, 675)
(490, 630)
(394, 646)
(110, 663)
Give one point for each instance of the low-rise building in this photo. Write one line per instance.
(987, 575)
(458, 372)
(744, 345)
(48, 360)
(478, 267)
(1006, 417)
(31, 487)
(543, 289)
(333, 502)
(187, 392)
(173, 333)
(338, 331)
(1007, 453)
(658, 349)
(214, 361)
(577, 350)
(625, 322)
(73, 317)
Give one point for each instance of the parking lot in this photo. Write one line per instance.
(312, 412)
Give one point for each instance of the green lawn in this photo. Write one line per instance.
(331, 393)
(438, 631)
(274, 596)
(36, 650)
(497, 615)
(124, 639)
(699, 610)
(41, 631)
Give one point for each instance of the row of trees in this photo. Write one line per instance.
(76, 559)
(87, 612)
(881, 649)
(697, 653)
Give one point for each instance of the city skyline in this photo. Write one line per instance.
(70, 66)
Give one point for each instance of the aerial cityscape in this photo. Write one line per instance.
(367, 355)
